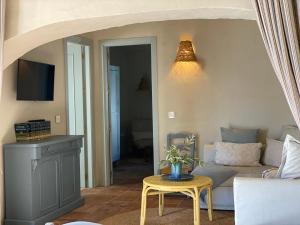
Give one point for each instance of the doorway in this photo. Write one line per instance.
(130, 71)
(79, 101)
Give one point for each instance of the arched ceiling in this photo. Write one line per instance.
(32, 23)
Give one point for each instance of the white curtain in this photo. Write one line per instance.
(278, 21)
(2, 25)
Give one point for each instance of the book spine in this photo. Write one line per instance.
(22, 131)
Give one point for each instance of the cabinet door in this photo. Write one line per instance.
(46, 184)
(70, 171)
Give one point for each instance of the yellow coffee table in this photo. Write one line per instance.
(155, 185)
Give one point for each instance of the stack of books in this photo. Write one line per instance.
(32, 130)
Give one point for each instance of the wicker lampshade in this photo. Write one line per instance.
(185, 52)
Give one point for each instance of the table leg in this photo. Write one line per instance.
(143, 205)
(209, 202)
(161, 204)
(197, 207)
(194, 208)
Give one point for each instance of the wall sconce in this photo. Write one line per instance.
(186, 67)
(185, 52)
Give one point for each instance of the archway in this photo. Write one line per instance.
(20, 43)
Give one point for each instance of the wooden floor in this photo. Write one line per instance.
(101, 203)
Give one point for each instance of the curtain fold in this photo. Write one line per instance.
(278, 22)
(2, 26)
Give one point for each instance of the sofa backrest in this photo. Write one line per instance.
(209, 153)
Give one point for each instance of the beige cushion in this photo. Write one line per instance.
(270, 173)
(234, 154)
(273, 153)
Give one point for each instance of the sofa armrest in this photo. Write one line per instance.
(266, 201)
(209, 153)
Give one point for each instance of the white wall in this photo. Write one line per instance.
(238, 86)
(13, 111)
(32, 23)
(24, 16)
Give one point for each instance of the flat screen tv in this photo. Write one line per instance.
(35, 81)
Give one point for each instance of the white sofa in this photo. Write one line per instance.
(223, 194)
(266, 201)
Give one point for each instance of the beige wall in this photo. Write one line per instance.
(12, 111)
(238, 86)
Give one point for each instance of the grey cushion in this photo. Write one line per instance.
(291, 130)
(239, 135)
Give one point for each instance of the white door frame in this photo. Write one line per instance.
(90, 155)
(112, 68)
(104, 45)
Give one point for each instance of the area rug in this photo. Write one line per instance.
(172, 216)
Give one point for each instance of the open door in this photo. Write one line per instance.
(79, 104)
(76, 100)
(114, 106)
(131, 149)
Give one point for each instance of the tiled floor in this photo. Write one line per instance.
(132, 170)
(101, 203)
(123, 196)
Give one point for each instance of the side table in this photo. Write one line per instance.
(155, 185)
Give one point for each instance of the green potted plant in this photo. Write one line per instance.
(178, 156)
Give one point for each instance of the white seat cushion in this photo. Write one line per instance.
(242, 171)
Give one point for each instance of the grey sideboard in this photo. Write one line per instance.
(42, 179)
